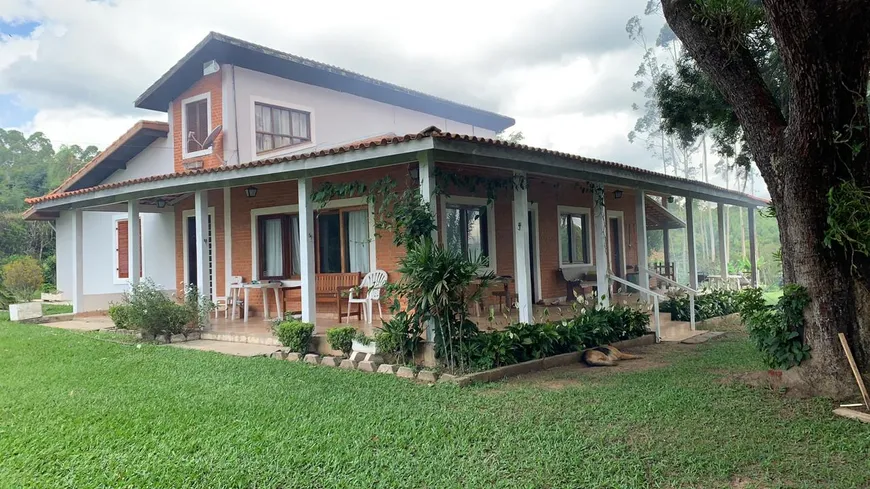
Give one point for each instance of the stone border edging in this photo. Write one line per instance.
(562, 360)
(717, 320)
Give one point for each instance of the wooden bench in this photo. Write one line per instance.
(330, 287)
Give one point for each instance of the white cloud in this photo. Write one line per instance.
(563, 68)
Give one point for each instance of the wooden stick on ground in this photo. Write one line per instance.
(855, 371)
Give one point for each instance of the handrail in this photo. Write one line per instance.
(655, 295)
(692, 293)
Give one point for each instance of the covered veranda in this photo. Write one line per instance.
(423, 152)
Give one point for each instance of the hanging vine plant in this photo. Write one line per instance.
(471, 183)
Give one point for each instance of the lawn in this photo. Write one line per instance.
(47, 310)
(79, 411)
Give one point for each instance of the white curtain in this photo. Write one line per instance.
(274, 256)
(294, 245)
(282, 126)
(358, 241)
(300, 126)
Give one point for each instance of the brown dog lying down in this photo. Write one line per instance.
(604, 356)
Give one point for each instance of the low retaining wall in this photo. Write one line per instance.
(708, 323)
(544, 363)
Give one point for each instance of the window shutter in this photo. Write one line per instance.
(123, 241)
(123, 249)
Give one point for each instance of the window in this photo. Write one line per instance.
(343, 241)
(196, 124)
(574, 237)
(279, 246)
(468, 230)
(277, 127)
(122, 250)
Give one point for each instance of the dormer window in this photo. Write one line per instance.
(196, 124)
(280, 127)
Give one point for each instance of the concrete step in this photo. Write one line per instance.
(702, 338)
(681, 336)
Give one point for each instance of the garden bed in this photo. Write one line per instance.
(161, 339)
(500, 373)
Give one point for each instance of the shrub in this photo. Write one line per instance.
(294, 334)
(710, 305)
(152, 312)
(777, 331)
(120, 315)
(22, 277)
(341, 339)
(49, 273)
(399, 337)
(199, 306)
(5, 299)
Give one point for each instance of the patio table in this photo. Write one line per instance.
(263, 286)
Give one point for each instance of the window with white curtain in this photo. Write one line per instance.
(279, 127)
(343, 241)
(468, 230)
(279, 246)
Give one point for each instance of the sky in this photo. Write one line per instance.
(562, 68)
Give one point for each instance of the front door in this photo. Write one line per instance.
(616, 258)
(192, 265)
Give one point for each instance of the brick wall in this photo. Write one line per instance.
(546, 194)
(208, 84)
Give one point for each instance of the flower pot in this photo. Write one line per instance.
(371, 348)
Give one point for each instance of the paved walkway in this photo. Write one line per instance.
(83, 324)
(227, 348)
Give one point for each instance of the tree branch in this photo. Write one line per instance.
(714, 45)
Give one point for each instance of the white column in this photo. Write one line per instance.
(642, 253)
(600, 230)
(427, 185)
(306, 250)
(78, 271)
(134, 240)
(690, 242)
(228, 242)
(666, 244)
(721, 250)
(200, 205)
(753, 251)
(522, 264)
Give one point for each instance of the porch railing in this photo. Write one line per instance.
(692, 293)
(655, 295)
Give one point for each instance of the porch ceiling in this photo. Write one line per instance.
(446, 147)
(658, 217)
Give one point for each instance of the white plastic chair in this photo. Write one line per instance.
(225, 303)
(373, 282)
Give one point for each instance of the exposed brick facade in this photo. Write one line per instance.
(208, 84)
(545, 194)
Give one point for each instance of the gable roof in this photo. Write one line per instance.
(434, 134)
(229, 50)
(116, 156)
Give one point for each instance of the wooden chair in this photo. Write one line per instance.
(330, 286)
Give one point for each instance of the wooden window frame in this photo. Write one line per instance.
(287, 272)
(587, 259)
(273, 135)
(484, 226)
(185, 129)
(342, 232)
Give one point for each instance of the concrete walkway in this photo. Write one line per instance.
(227, 348)
(83, 324)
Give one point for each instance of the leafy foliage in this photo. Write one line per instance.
(400, 336)
(150, 311)
(120, 315)
(341, 339)
(446, 180)
(715, 303)
(849, 218)
(5, 299)
(294, 334)
(22, 277)
(524, 342)
(777, 331)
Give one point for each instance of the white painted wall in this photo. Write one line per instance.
(158, 249)
(156, 159)
(337, 118)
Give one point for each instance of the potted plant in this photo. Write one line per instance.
(364, 344)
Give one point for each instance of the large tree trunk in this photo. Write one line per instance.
(825, 47)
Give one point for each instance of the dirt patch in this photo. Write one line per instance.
(652, 356)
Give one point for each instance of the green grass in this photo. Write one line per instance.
(50, 309)
(79, 412)
(772, 296)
